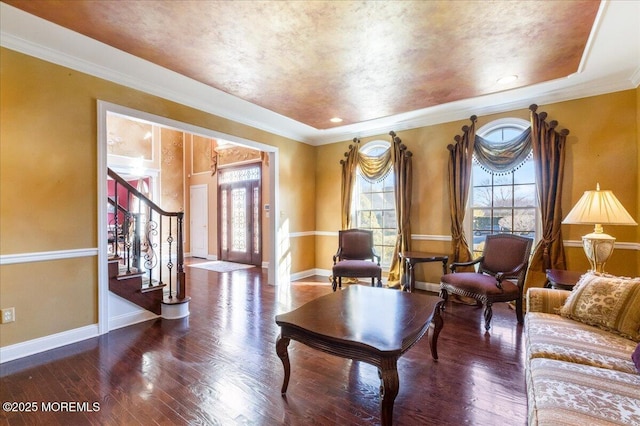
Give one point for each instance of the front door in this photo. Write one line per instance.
(240, 214)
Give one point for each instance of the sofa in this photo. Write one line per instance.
(582, 363)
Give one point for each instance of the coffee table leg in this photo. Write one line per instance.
(388, 374)
(281, 349)
(438, 323)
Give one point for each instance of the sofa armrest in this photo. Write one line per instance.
(545, 300)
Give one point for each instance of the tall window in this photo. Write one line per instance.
(375, 206)
(504, 201)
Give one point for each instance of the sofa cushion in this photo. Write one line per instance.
(555, 337)
(635, 356)
(545, 300)
(606, 301)
(564, 393)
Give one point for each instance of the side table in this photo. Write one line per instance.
(411, 258)
(561, 279)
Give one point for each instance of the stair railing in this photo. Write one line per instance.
(146, 237)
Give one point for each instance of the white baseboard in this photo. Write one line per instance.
(41, 344)
(323, 272)
(53, 341)
(130, 318)
(209, 256)
(303, 274)
(433, 287)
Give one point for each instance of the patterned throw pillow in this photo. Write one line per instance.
(606, 301)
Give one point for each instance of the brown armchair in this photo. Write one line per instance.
(502, 269)
(356, 257)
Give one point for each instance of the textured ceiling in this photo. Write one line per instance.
(313, 60)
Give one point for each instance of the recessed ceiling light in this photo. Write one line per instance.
(336, 120)
(507, 79)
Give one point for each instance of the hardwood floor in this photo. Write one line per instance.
(219, 367)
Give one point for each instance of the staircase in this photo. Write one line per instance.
(146, 258)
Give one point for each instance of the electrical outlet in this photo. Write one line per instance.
(8, 315)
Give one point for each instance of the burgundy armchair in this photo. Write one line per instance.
(500, 276)
(356, 257)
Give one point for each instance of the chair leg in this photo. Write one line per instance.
(373, 281)
(444, 294)
(519, 314)
(379, 282)
(488, 314)
(334, 283)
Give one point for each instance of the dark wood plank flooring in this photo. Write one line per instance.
(219, 367)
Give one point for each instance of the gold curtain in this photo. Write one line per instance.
(348, 178)
(460, 159)
(401, 159)
(548, 155)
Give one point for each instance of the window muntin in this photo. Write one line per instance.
(502, 202)
(375, 206)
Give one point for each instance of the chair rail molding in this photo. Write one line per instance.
(10, 259)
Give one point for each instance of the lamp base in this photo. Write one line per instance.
(598, 248)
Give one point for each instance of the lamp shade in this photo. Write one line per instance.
(599, 207)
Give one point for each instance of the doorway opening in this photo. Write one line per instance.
(147, 164)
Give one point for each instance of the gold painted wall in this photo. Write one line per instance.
(49, 297)
(602, 147)
(171, 170)
(129, 138)
(48, 176)
(300, 197)
(202, 148)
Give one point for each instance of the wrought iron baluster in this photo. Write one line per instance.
(169, 261)
(161, 221)
(136, 242)
(115, 219)
(126, 232)
(151, 259)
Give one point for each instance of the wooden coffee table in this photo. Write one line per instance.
(374, 325)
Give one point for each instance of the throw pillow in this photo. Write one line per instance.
(635, 356)
(606, 301)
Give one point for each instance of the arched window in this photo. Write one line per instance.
(503, 185)
(374, 204)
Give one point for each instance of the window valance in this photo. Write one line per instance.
(504, 157)
(375, 168)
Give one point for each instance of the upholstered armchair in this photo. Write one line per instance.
(501, 271)
(356, 258)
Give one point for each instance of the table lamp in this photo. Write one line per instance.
(598, 208)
